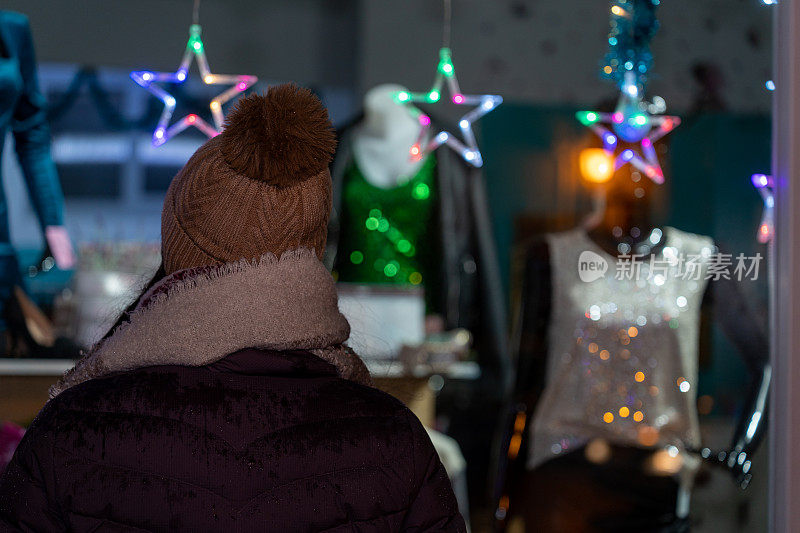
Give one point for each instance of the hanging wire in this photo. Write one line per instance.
(196, 12)
(448, 13)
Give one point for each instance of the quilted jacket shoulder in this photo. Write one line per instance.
(227, 447)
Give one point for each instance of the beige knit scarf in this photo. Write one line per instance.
(198, 316)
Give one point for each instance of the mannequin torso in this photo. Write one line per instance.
(625, 229)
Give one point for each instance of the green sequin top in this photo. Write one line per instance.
(388, 235)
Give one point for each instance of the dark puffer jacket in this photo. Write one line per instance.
(257, 441)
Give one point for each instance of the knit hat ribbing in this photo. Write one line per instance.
(260, 186)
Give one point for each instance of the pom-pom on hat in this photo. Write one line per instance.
(260, 186)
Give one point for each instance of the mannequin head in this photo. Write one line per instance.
(382, 113)
(382, 141)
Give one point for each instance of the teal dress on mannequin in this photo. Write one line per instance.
(22, 111)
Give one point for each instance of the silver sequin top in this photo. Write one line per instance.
(622, 360)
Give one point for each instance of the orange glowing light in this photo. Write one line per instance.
(638, 416)
(661, 463)
(597, 165)
(608, 417)
(597, 451)
(513, 446)
(519, 422)
(639, 376)
(647, 436)
(624, 412)
(704, 404)
(632, 331)
(503, 502)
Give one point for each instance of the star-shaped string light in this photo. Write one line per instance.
(467, 147)
(194, 49)
(633, 26)
(633, 123)
(766, 187)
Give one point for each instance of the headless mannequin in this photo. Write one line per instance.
(625, 226)
(382, 140)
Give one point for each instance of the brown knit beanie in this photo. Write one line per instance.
(260, 186)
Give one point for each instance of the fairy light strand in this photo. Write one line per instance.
(764, 183)
(765, 186)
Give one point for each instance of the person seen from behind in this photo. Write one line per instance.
(225, 399)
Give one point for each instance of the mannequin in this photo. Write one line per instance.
(625, 227)
(24, 330)
(456, 254)
(388, 211)
(383, 183)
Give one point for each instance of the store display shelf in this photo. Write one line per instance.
(34, 367)
(467, 370)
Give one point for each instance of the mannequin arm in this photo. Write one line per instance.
(533, 319)
(751, 428)
(529, 343)
(746, 333)
(32, 135)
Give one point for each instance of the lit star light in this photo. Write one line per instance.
(468, 146)
(766, 186)
(633, 123)
(194, 49)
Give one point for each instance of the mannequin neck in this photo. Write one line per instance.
(627, 228)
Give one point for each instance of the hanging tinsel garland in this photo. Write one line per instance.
(634, 121)
(633, 26)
